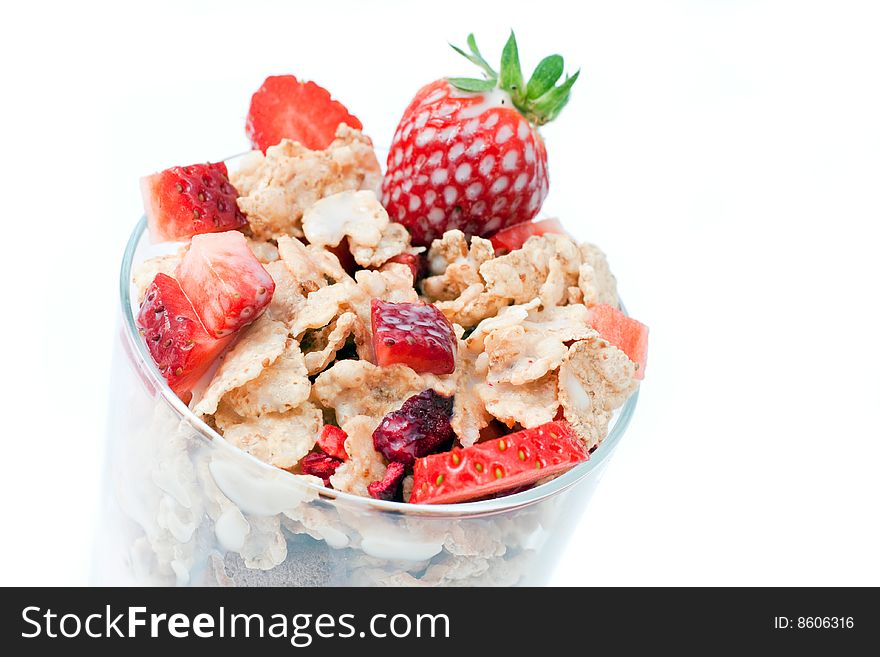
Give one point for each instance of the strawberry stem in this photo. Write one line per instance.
(540, 100)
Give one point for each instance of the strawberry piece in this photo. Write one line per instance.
(625, 333)
(227, 285)
(467, 153)
(501, 465)
(343, 254)
(414, 334)
(332, 442)
(285, 108)
(387, 488)
(319, 465)
(513, 237)
(175, 336)
(184, 201)
(419, 427)
(411, 260)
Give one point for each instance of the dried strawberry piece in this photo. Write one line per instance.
(420, 427)
(332, 442)
(390, 484)
(414, 334)
(320, 465)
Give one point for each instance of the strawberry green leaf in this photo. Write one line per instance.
(476, 57)
(548, 106)
(548, 71)
(472, 44)
(511, 72)
(472, 84)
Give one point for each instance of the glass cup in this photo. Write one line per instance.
(181, 506)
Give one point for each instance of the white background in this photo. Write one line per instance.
(726, 155)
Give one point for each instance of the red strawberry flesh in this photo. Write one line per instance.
(285, 108)
(332, 442)
(178, 342)
(421, 426)
(513, 237)
(412, 261)
(227, 285)
(387, 488)
(501, 465)
(414, 334)
(184, 201)
(319, 465)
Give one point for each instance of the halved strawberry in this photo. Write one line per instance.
(285, 108)
(413, 334)
(516, 460)
(513, 237)
(332, 442)
(178, 342)
(226, 283)
(625, 333)
(184, 201)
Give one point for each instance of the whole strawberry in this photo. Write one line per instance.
(467, 153)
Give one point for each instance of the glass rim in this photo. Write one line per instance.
(459, 510)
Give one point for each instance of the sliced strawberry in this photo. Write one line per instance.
(414, 334)
(625, 333)
(174, 334)
(285, 108)
(332, 442)
(226, 283)
(319, 465)
(513, 237)
(184, 201)
(516, 460)
(387, 488)
(421, 426)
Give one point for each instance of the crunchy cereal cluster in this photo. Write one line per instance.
(525, 346)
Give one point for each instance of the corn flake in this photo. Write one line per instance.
(258, 347)
(279, 439)
(531, 404)
(287, 301)
(357, 387)
(473, 306)
(469, 413)
(454, 265)
(281, 387)
(265, 252)
(358, 216)
(594, 379)
(595, 279)
(311, 267)
(276, 188)
(325, 342)
(364, 464)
